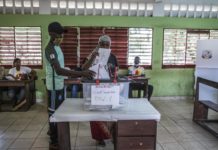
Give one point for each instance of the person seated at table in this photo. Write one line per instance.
(102, 130)
(137, 70)
(19, 72)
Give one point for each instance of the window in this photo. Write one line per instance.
(88, 40)
(82, 45)
(174, 47)
(126, 44)
(180, 46)
(20, 42)
(192, 38)
(213, 34)
(140, 44)
(69, 47)
(119, 42)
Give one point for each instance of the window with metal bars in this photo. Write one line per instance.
(82, 41)
(119, 42)
(126, 44)
(23, 43)
(140, 44)
(180, 46)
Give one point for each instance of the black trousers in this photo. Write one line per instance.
(140, 87)
(55, 98)
(150, 91)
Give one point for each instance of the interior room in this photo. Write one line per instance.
(169, 36)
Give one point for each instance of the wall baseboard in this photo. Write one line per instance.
(176, 98)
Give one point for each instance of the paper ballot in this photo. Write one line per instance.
(100, 63)
(103, 55)
(101, 72)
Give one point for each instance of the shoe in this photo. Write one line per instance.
(53, 146)
(19, 104)
(101, 143)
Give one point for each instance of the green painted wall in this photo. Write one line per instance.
(167, 82)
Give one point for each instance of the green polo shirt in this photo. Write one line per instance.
(53, 53)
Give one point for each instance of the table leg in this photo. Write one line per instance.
(63, 135)
(27, 96)
(145, 89)
(130, 91)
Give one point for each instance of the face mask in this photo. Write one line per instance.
(58, 41)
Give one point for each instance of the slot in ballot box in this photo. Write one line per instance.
(106, 95)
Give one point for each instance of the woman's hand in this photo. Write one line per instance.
(94, 54)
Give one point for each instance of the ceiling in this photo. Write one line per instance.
(146, 8)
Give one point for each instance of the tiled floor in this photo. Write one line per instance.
(176, 131)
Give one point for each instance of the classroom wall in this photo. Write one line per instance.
(166, 82)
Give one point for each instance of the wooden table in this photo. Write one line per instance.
(201, 106)
(138, 83)
(68, 82)
(135, 128)
(28, 95)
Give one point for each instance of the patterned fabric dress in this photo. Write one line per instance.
(101, 130)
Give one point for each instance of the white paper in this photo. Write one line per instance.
(101, 72)
(105, 95)
(103, 56)
(207, 53)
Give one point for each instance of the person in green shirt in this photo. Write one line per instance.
(55, 72)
